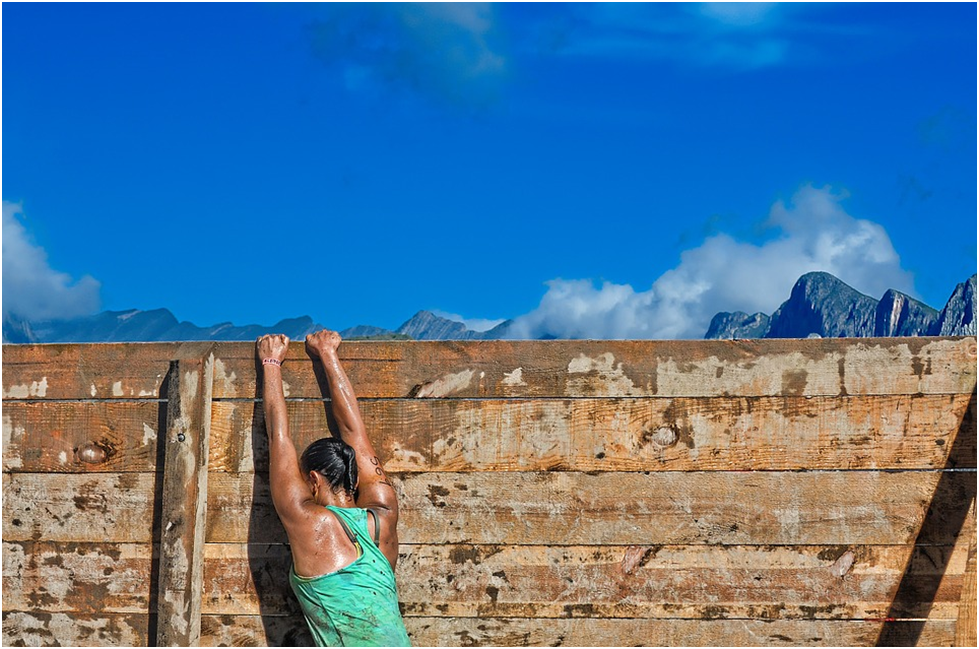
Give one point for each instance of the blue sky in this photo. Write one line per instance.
(592, 170)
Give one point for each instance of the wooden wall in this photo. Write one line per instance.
(783, 492)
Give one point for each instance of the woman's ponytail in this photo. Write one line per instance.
(350, 459)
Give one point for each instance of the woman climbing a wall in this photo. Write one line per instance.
(338, 508)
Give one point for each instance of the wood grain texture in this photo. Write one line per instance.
(84, 578)
(90, 371)
(471, 632)
(565, 368)
(252, 631)
(570, 508)
(39, 629)
(95, 507)
(184, 499)
(790, 492)
(81, 436)
(589, 368)
(524, 508)
(677, 582)
(642, 434)
(965, 629)
(683, 582)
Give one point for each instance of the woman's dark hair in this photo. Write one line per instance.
(334, 459)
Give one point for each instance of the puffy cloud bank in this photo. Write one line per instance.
(31, 288)
(723, 274)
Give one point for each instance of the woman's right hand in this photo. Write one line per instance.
(323, 342)
(272, 346)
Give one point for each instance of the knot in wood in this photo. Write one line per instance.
(663, 436)
(91, 453)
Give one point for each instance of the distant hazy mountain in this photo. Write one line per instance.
(425, 325)
(142, 326)
(161, 325)
(366, 331)
(822, 305)
(819, 305)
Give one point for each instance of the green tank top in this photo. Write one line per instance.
(355, 606)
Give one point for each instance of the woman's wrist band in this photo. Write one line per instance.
(272, 361)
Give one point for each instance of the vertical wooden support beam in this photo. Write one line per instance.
(965, 626)
(183, 510)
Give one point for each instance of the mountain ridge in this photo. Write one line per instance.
(819, 304)
(825, 306)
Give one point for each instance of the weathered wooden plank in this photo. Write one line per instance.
(62, 629)
(693, 582)
(643, 434)
(965, 629)
(680, 368)
(42, 629)
(85, 578)
(678, 582)
(184, 499)
(474, 632)
(528, 508)
(688, 581)
(90, 371)
(556, 368)
(227, 630)
(80, 436)
(104, 507)
(570, 508)
(581, 434)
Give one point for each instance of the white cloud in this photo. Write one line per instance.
(31, 288)
(473, 324)
(724, 274)
(441, 50)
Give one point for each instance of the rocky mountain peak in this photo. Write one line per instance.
(958, 318)
(902, 315)
(739, 324)
(823, 304)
